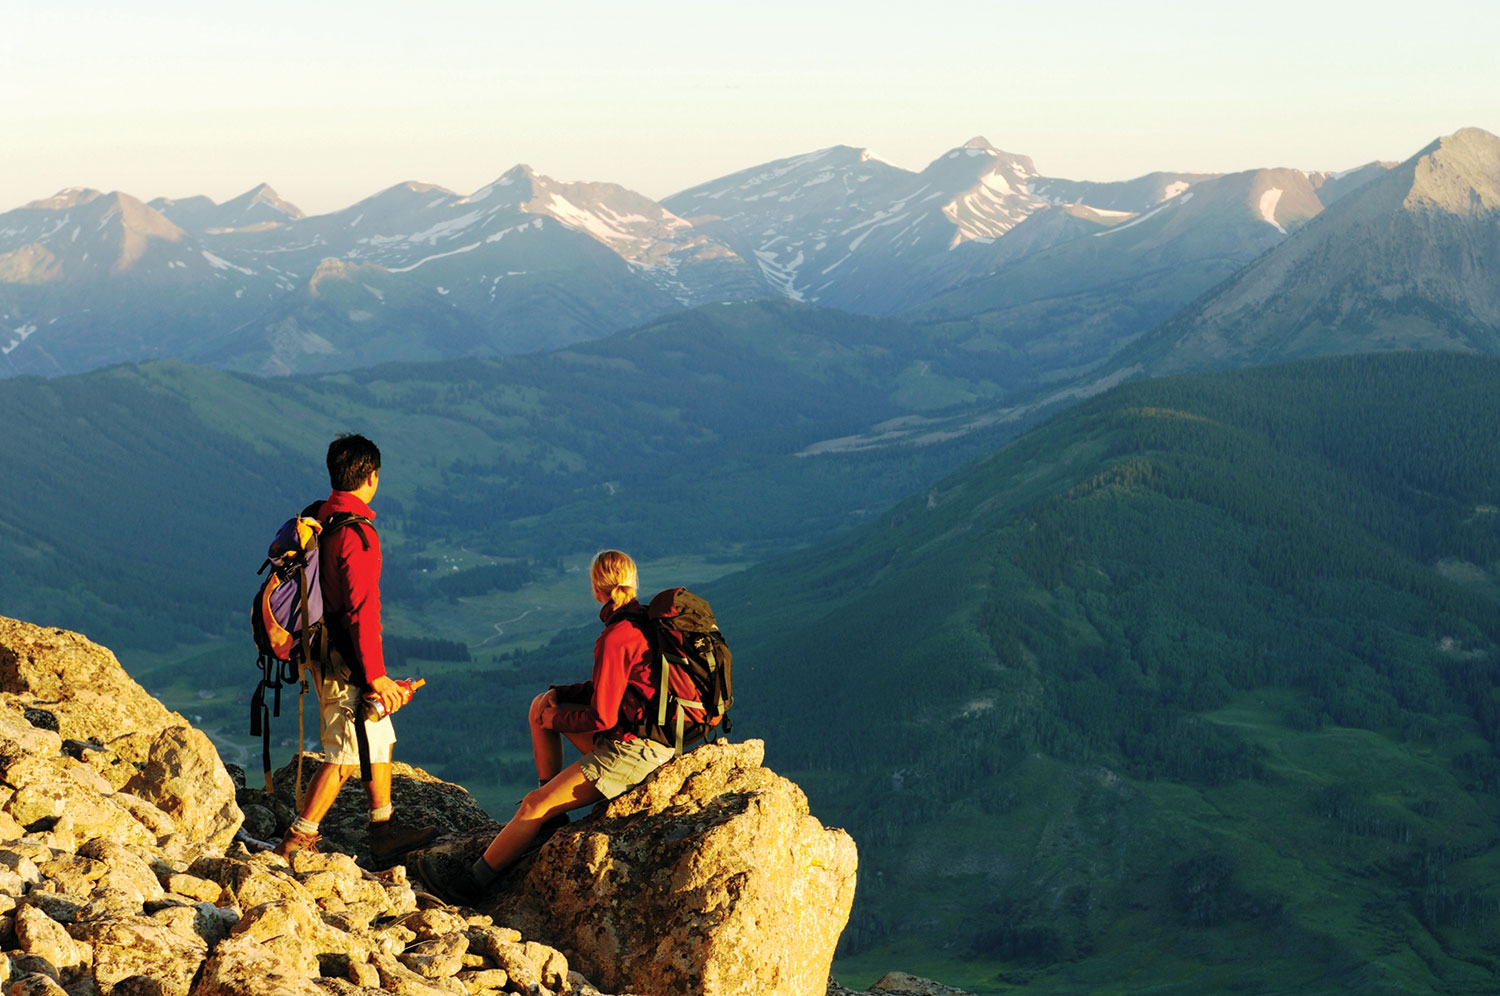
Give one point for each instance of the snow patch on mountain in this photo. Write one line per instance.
(782, 276)
(220, 263)
(1149, 214)
(441, 255)
(1268, 202)
(21, 333)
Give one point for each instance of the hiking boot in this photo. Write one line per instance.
(296, 840)
(388, 839)
(456, 890)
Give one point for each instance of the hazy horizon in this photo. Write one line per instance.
(332, 103)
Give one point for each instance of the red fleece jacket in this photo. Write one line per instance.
(621, 683)
(350, 577)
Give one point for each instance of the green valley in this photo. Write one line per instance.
(1190, 690)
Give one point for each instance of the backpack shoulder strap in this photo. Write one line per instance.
(341, 519)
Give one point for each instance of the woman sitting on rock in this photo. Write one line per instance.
(597, 717)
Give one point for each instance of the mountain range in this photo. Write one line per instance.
(417, 272)
(1188, 688)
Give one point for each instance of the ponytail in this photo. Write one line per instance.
(614, 574)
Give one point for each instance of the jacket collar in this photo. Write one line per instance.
(608, 613)
(345, 501)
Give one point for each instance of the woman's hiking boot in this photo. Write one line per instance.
(459, 889)
(296, 840)
(389, 839)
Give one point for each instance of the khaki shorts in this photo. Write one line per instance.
(339, 703)
(616, 766)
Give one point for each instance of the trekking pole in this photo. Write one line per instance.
(301, 743)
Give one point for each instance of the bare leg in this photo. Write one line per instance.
(546, 745)
(379, 786)
(568, 790)
(324, 789)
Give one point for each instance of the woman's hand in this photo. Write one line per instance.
(544, 708)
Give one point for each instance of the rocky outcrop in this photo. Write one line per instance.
(710, 878)
(117, 748)
(899, 984)
(115, 878)
(419, 798)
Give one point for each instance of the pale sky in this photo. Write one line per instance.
(330, 102)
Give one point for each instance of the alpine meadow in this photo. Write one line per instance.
(1118, 563)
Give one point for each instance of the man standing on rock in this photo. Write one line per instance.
(349, 573)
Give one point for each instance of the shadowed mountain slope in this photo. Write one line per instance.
(1407, 261)
(1192, 687)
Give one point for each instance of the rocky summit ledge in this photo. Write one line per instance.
(121, 873)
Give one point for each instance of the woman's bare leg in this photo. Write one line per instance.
(568, 790)
(546, 745)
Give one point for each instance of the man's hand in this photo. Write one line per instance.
(388, 692)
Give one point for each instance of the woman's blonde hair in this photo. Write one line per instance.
(614, 574)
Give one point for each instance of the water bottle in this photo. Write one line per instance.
(375, 709)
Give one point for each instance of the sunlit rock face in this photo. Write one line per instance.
(121, 873)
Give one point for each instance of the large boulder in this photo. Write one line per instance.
(65, 683)
(710, 878)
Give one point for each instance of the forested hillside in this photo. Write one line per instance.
(136, 502)
(1190, 690)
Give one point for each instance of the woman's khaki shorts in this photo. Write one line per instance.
(616, 766)
(339, 702)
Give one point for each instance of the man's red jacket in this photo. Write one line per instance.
(349, 574)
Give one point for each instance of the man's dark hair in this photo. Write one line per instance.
(351, 460)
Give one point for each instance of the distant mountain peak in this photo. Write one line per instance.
(1459, 173)
(979, 142)
(70, 197)
(263, 194)
(520, 171)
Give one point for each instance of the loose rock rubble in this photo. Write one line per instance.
(120, 874)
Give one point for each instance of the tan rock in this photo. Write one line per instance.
(260, 880)
(398, 979)
(126, 869)
(75, 812)
(21, 866)
(242, 966)
(437, 922)
(364, 975)
(437, 958)
(40, 935)
(710, 878)
(295, 933)
(508, 955)
(193, 887)
(489, 980)
(72, 874)
(902, 984)
(93, 699)
(207, 921)
(9, 828)
(35, 985)
(184, 778)
(157, 823)
(85, 687)
(129, 946)
(60, 907)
